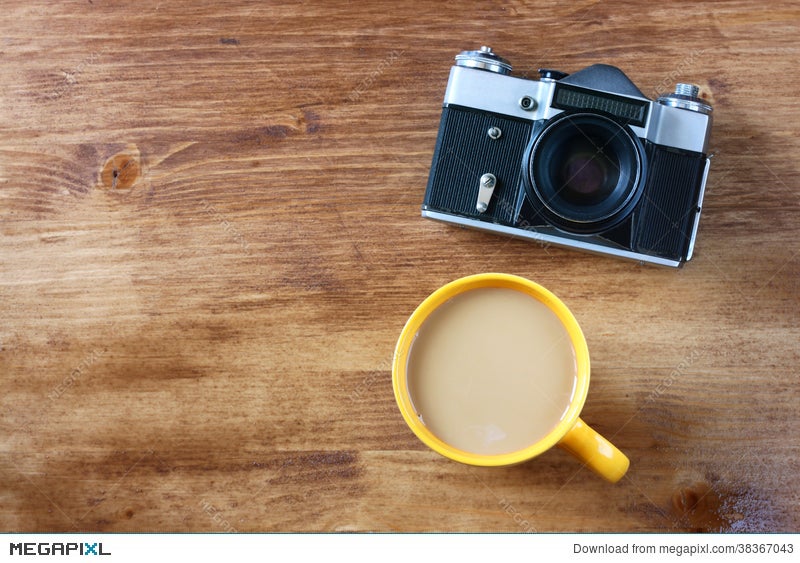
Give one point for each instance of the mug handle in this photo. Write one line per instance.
(597, 453)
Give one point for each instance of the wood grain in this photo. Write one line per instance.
(211, 240)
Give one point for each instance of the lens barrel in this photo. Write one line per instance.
(587, 171)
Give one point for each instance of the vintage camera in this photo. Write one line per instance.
(583, 160)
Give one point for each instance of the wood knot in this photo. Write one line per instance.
(120, 172)
(702, 508)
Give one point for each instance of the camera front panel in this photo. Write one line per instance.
(664, 221)
(465, 150)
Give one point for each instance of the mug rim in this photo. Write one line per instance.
(438, 298)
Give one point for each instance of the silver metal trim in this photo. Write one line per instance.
(484, 59)
(700, 197)
(676, 127)
(685, 103)
(686, 96)
(540, 237)
(666, 125)
(497, 93)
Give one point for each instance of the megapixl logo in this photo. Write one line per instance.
(48, 548)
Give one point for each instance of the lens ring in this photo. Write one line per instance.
(586, 170)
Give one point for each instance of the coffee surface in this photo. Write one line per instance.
(491, 371)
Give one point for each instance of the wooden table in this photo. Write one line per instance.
(211, 240)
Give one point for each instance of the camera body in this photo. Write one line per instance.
(583, 160)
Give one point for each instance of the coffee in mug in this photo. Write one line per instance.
(491, 371)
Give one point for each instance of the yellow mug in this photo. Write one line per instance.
(570, 433)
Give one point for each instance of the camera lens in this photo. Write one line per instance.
(586, 169)
(587, 175)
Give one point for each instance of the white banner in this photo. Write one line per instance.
(414, 548)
